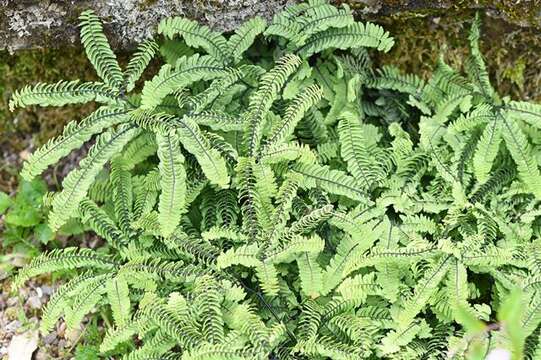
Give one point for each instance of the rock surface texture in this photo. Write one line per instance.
(52, 23)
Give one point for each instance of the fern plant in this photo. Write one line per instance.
(295, 203)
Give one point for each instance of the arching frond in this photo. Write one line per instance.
(74, 136)
(187, 70)
(139, 62)
(262, 99)
(62, 93)
(352, 36)
(244, 37)
(196, 35)
(172, 183)
(98, 50)
(77, 183)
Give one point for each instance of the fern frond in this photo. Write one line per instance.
(62, 93)
(352, 36)
(85, 300)
(118, 297)
(307, 98)
(208, 300)
(122, 194)
(172, 183)
(187, 70)
(217, 120)
(56, 305)
(422, 292)
(139, 62)
(244, 37)
(196, 35)
(211, 162)
(356, 145)
(475, 66)
(64, 259)
(487, 149)
(261, 101)
(101, 223)
(310, 274)
(290, 151)
(74, 135)
(334, 181)
(389, 77)
(521, 152)
(178, 328)
(77, 183)
(525, 111)
(98, 50)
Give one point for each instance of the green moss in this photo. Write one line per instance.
(511, 52)
(31, 127)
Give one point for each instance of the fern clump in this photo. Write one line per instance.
(283, 199)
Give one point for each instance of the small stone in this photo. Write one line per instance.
(41, 355)
(62, 343)
(24, 155)
(34, 302)
(72, 335)
(13, 326)
(47, 290)
(49, 339)
(499, 354)
(61, 329)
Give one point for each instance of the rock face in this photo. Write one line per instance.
(40, 23)
(53, 23)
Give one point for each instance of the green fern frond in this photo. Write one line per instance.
(352, 36)
(208, 300)
(475, 66)
(357, 149)
(217, 120)
(525, 111)
(261, 101)
(74, 135)
(63, 259)
(307, 98)
(62, 93)
(422, 292)
(487, 149)
(211, 162)
(172, 183)
(118, 297)
(77, 183)
(101, 223)
(334, 181)
(56, 305)
(84, 300)
(139, 62)
(122, 194)
(187, 71)
(291, 151)
(310, 274)
(244, 37)
(196, 35)
(521, 152)
(98, 50)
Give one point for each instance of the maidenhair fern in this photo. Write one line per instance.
(295, 203)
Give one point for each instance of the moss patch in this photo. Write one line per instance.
(511, 52)
(30, 127)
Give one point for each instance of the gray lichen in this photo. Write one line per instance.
(53, 23)
(40, 23)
